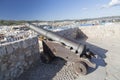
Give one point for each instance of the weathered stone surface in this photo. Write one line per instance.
(16, 45)
(28, 53)
(5, 58)
(13, 73)
(29, 42)
(21, 57)
(24, 44)
(2, 51)
(1, 76)
(7, 76)
(17, 57)
(36, 48)
(13, 58)
(74, 33)
(4, 67)
(9, 49)
(25, 64)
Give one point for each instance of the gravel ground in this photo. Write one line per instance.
(57, 70)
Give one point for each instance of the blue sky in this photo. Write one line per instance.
(57, 9)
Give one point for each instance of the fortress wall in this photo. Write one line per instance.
(16, 57)
(69, 33)
(102, 31)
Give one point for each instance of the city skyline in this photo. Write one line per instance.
(57, 9)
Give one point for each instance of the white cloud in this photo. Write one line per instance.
(112, 3)
(84, 8)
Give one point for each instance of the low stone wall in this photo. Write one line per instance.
(16, 57)
(102, 32)
(72, 33)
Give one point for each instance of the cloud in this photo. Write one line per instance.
(112, 3)
(84, 8)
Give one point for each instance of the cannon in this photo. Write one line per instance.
(59, 46)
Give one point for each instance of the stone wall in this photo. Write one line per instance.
(72, 33)
(109, 31)
(16, 57)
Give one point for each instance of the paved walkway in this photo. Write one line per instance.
(112, 69)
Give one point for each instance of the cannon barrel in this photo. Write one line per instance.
(77, 47)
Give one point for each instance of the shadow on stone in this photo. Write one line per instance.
(73, 34)
(100, 56)
(99, 62)
(42, 71)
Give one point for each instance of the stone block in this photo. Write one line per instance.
(5, 58)
(16, 45)
(19, 70)
(9, 49)
(2, 51)
(1, 76)
(24, 44)
(13, 58)
(28, 53)
(34, 40)
(4, 67)
(30, 62)
(18, 64)
(37, 57)
(0, 60)
(25, 64)
(21, 57)
(29, 42)
(7, 76)
(13, 72)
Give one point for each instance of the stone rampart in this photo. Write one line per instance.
(16, 57)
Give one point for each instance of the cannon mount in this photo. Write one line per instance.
(65, 49)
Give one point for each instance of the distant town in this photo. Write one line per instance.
(56, 23)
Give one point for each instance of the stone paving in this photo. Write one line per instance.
(112, 68)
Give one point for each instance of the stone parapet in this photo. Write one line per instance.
(18, 56)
